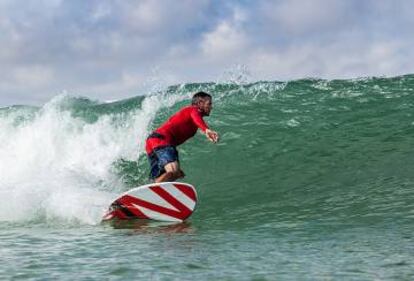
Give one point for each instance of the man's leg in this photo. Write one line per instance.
(172, 172)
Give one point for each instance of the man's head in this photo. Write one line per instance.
(204, 102)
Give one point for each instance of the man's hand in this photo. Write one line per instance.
(212, 136)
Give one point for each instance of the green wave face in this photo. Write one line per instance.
(306, 151)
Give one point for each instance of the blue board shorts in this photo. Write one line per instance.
(159, 158)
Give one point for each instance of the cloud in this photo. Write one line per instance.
(161, 19)
(109, 49)
(301, 17)
(335, 60)
(224, 41)
(32, 76)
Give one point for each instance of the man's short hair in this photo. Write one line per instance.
(199, 96)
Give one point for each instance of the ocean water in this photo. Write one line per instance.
(312, 180)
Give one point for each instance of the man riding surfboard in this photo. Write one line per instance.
(161, 144)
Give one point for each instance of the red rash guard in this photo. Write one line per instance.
(179, 128)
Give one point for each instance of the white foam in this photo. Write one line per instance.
(61, 167)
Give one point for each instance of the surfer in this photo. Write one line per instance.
(161, 144)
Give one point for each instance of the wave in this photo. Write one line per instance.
(289, 150)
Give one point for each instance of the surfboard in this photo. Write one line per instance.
(167, 201)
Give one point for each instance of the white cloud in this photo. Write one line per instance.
(163, 18)
(228, 40)
(32, 76)
(147, 16)
(223, 42)
(297, 16)
(101, 11)
(336, 60)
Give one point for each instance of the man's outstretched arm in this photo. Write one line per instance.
(199, 121)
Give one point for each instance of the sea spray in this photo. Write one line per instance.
(59, 164)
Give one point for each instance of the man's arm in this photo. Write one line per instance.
(198, 120)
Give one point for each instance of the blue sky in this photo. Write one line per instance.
(110, 50)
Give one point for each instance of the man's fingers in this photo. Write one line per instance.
(215, 137)
(212, 135)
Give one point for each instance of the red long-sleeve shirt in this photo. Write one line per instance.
(179, 128)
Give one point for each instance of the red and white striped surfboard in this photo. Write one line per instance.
(167, 201)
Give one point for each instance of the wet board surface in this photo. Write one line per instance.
(168, 201)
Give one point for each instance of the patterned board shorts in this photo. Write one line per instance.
(160, 157)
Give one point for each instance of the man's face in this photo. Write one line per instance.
(205, 106)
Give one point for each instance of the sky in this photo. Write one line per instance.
(110, 50)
